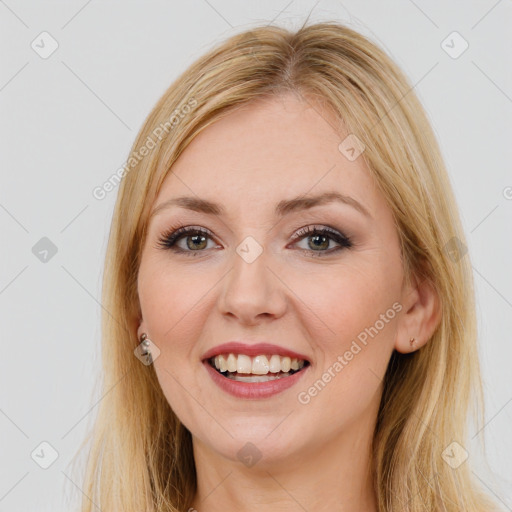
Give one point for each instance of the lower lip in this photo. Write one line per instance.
(253, 390)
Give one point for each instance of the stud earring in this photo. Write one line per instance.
(411, 341)
(146, 351)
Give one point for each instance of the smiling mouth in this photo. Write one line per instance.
(262, 368)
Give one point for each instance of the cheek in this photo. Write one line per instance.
(346, 300)
(170, 301)
(355, 337)
(356, 306)
(167, 295)
(171, 307)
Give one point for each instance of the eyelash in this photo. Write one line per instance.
(169, 238)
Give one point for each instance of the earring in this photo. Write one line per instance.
(146, 351)
(411, 341)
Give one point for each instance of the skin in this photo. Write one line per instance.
(314, 456)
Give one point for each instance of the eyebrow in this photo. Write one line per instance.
(283, 208)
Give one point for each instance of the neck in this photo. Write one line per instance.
(333, 475)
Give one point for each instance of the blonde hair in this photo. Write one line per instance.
(141, 456)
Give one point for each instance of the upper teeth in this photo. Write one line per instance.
(259, 365)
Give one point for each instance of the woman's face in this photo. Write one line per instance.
(260, 275)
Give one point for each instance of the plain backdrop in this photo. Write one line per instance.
(78, 78)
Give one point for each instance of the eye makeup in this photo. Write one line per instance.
(170, 239)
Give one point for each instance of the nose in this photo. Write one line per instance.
(252, 291)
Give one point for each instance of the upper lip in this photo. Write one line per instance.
(253, 349)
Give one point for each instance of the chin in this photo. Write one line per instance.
(255, 446)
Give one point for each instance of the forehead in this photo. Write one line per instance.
(266, 151)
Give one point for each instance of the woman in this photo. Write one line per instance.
(286, 263)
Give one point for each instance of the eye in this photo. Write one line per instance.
(318, 240)
(195, 240)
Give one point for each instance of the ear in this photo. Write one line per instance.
(141, 329)
(421, 315)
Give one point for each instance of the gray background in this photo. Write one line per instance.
(67, 124)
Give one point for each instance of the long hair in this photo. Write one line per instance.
(140, 456)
